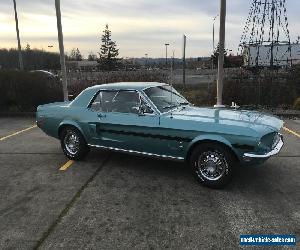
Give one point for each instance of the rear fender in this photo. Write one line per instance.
(70, 123)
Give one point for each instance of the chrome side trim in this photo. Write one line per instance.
(275, 151)
(138, 152)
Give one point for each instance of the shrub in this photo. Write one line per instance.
(297, 103)
(197, 95)
(272, 89)
(24, 91)
(78, 82)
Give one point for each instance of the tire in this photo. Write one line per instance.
(73, 143)
(213, 164)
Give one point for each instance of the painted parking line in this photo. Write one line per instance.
(291, 131)
(16, 133)
(66, 165)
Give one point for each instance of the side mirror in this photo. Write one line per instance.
(145, 109)
(140, 110)
(135, 109)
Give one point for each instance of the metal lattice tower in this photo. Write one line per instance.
(267, 24)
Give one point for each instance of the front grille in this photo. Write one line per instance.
(269, 140)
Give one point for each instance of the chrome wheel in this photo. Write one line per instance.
(212, 165)
(71, 142)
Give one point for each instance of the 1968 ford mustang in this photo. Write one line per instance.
(153, 119)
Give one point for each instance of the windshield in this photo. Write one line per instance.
(165, 98)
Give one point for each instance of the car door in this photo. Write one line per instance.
(116, 121)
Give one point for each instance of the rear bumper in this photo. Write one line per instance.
(274, 151)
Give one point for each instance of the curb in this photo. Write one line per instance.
(289, 116)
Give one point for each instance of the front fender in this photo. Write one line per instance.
(216, 138)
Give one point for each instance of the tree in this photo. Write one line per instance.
(27, 48)
(33, 59)
(108, 52)
(215, 57)
(75, 55)
(92, 57)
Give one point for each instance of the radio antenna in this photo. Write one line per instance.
(172, 75)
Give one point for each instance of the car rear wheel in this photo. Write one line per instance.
(213, 164)
(73, 143)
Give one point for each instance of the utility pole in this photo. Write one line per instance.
(272, 30)
(61, 50)
(18, 37)
(183, 61)
(214, 19)
(212, 60)
(167, 44)
(146, 55)
(221, 54)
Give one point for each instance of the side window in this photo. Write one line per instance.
(103, 101)
(95, 105)
(116, 101)
(107, 100)
(126, 102)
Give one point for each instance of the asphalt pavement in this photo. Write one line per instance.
(118, 201)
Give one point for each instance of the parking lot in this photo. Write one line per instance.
(118, 201)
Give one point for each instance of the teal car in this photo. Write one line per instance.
(153, 119)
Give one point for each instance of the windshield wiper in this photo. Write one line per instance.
(184, 103)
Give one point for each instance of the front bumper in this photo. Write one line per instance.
(274, 151)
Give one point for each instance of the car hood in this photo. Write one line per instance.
(227, 116)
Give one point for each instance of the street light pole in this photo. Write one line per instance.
(221, 54)
(61, 50)
(18, 37)
(167, 44)
(183, 61)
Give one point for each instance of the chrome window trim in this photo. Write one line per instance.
(149, 103)
(138, 152)
(92, 99)
(145, 99)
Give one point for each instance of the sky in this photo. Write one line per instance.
(138, 26)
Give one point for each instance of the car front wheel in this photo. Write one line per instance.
(73, 143)
(213, 164)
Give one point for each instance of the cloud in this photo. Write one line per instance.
(138, 26)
